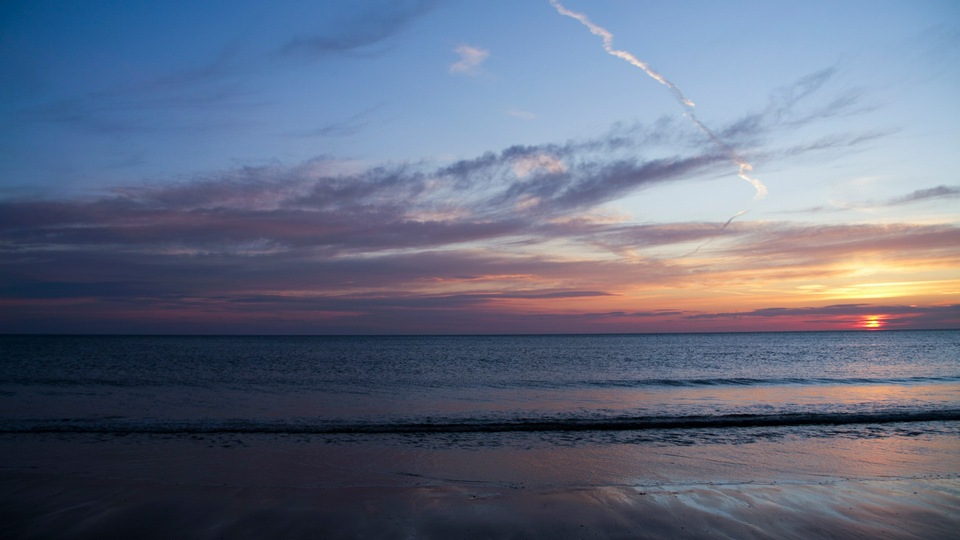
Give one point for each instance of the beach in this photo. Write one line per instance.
(787, 485)
(419, 269)
(826, 435)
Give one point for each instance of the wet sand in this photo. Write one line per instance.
(788, 487)
(35, 506)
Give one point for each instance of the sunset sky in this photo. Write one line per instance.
(404, 167)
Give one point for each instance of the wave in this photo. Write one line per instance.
(526, 383)
(780, 381)
(575, 424)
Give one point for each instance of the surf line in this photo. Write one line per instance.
(628, 423)
(743, 166)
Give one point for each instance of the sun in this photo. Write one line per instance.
(872, 322)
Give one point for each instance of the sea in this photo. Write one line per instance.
(658, 389)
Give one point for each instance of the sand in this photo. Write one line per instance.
(790, 487)
(39, 506)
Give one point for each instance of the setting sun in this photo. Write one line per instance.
(872, 322)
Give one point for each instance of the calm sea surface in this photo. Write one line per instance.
(665, 388)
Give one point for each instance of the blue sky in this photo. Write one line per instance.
(189, 139)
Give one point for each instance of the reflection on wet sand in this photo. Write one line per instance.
(900, 481)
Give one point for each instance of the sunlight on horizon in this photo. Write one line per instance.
(873, 322)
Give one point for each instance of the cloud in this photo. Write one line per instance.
(920, 195)
(211, 95)
(208, 100)
(521, 192)
(795, 105)
(305, 219)
(383, 208)
(471, 58)
(198, 96)
(507, 240)
(573, 176)
(360, 34)
(521, 114)
(344, 128)
(853, 238)
(894, 315)
(136, 260)
(526, 165)
(939, 192)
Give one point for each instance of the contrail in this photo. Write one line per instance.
(687, 104)
(724, 226)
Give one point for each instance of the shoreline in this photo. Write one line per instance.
(38, 504)
(795, 485)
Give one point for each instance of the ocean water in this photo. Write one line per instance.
(670, 389)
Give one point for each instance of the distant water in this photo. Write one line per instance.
(651, 386)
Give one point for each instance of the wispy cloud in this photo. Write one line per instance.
(939, 192)
(521, 114)
(471, 60)
(360, 35)
(346, 127)
(192, 99)
(403, 206)
(212, 94)
(851, 315)
(510, 239)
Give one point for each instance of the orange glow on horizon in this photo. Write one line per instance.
(872, 322)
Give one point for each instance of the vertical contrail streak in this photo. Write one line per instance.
(688, 105)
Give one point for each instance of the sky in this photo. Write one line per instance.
(465, 167)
